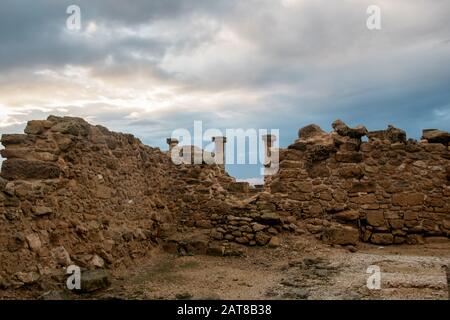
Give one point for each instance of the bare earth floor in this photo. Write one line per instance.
(301, 268)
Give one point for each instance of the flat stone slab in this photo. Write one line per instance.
(93, 280)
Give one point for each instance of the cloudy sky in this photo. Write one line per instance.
(149, 67)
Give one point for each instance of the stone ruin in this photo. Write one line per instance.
(74, 193)
(388, 190)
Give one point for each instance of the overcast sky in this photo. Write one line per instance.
(157, 65)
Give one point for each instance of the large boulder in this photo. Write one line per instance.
(37, 126)
(376, 135)
(16, 139)
(382, 238)
(341, 235)
(406, 199)
(93, 280)
(270, 218)
(342, 129)
(317, 144)
(310, 131)
(313, 134)
(395, 135)
(436, 136)
(70, 125)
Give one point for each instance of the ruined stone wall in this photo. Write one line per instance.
(75, 193)
(387, 190)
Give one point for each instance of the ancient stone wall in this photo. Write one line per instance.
(75, 193)
(386, 190)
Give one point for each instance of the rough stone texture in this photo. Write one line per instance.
(342, 235)
(382, 238)
(388, 188)
(395, 135)
(14, 169)
(71, 192)
(391, 134)
(436, 136)
(343, 130)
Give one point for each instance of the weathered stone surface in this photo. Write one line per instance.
(64, 142)
(71, 125)
(106, 193)
(205, 224)
(348, 215)
(320, 152)
(197, 245)
(93, 280)
(310, 131)
(113, 198)
(14, 153)
(395, 135)
(317, 144)
(274, 242)
(270, 217)
(239, 187)
(54, 295)
(216, 250)
(351, 171)
(363, 186)
(97, 261)
(216, 234)
(258, 227)
(349, 157)
(3, 183)
(342, 129)
(365, 199)
(262, 238)
(375, 218)
(408, 199)
(303, 186)
(37, 126)
(42, 211)
(34, 242)
(377, 135)
(61, 256)
(27, 277)
(415, 239)
(382, 238)
(436, 136)
(27, 169)
(341, 235)
(12, 139)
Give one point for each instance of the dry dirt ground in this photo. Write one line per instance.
(301, 268)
